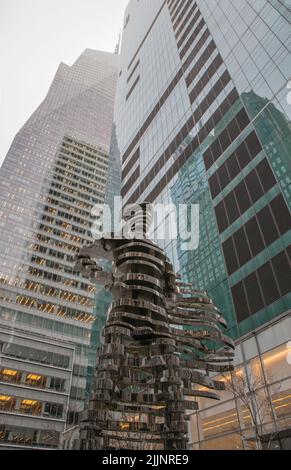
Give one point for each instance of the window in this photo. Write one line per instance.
(281, 267)
(10, 375)
(33, 407)
(214, 185)
(254, 236)
(243, 155)
(240, 302)
(241, 244)
(230, 256)
(266, 175)
(223, 176)
(53, 409)
(253, 292)
(231, 207)
(281, 214)
(242, 196)
(254, 186)
(221, 216)
(35, 380)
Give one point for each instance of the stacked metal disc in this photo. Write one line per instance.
(161, 339)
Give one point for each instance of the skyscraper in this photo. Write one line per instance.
(54, 173)
(202, 117)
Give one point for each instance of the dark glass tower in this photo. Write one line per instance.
(203, 118)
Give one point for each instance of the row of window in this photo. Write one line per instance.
(51, 291)
(66, 281)
(168, 91)
(75, 182)
(64, 225)
(257, 183)
(83, 162)
(262, 287)
(50, 241)
(27, 436)
(130, 181)
(34, 355)
(152, 115)
(258, 233)
(194, 16)
(132, 87)
(83, 149)
(87, 176)
(68, 213)
(32, 379)
(59, 233)
(63, 184)
(180, 137)
(133, 70)
(200, 63)
(235, 163)
(131, 163)
(181, 13)
(31, 407)
(41, 322)
(210, 72)
(33, 303)
(77, 393)
(77, 201)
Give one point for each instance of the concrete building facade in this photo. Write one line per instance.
(54, 173)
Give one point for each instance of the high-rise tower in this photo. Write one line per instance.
(203, 118)
(54, 173)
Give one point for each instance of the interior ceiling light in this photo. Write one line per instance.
(29, 402)
(9, 372)
(34, 377)
(4, 398)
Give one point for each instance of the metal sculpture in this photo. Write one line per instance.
(161, 339)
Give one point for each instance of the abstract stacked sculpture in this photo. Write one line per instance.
(161, 339)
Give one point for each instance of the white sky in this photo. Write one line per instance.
(35, 36)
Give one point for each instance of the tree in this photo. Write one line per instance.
(249, 390)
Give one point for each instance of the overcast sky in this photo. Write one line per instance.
(35, 36)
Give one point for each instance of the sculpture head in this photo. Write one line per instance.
(137, 220)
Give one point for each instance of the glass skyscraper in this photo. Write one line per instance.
(202, 117)
(50, 318)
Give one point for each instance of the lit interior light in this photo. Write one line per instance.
(277, 356)
(9, 372)
(124, 426)
(219, 419)
(281, 399)
(282, 406)
(29, 402)
(4, 398)
(34, 377)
